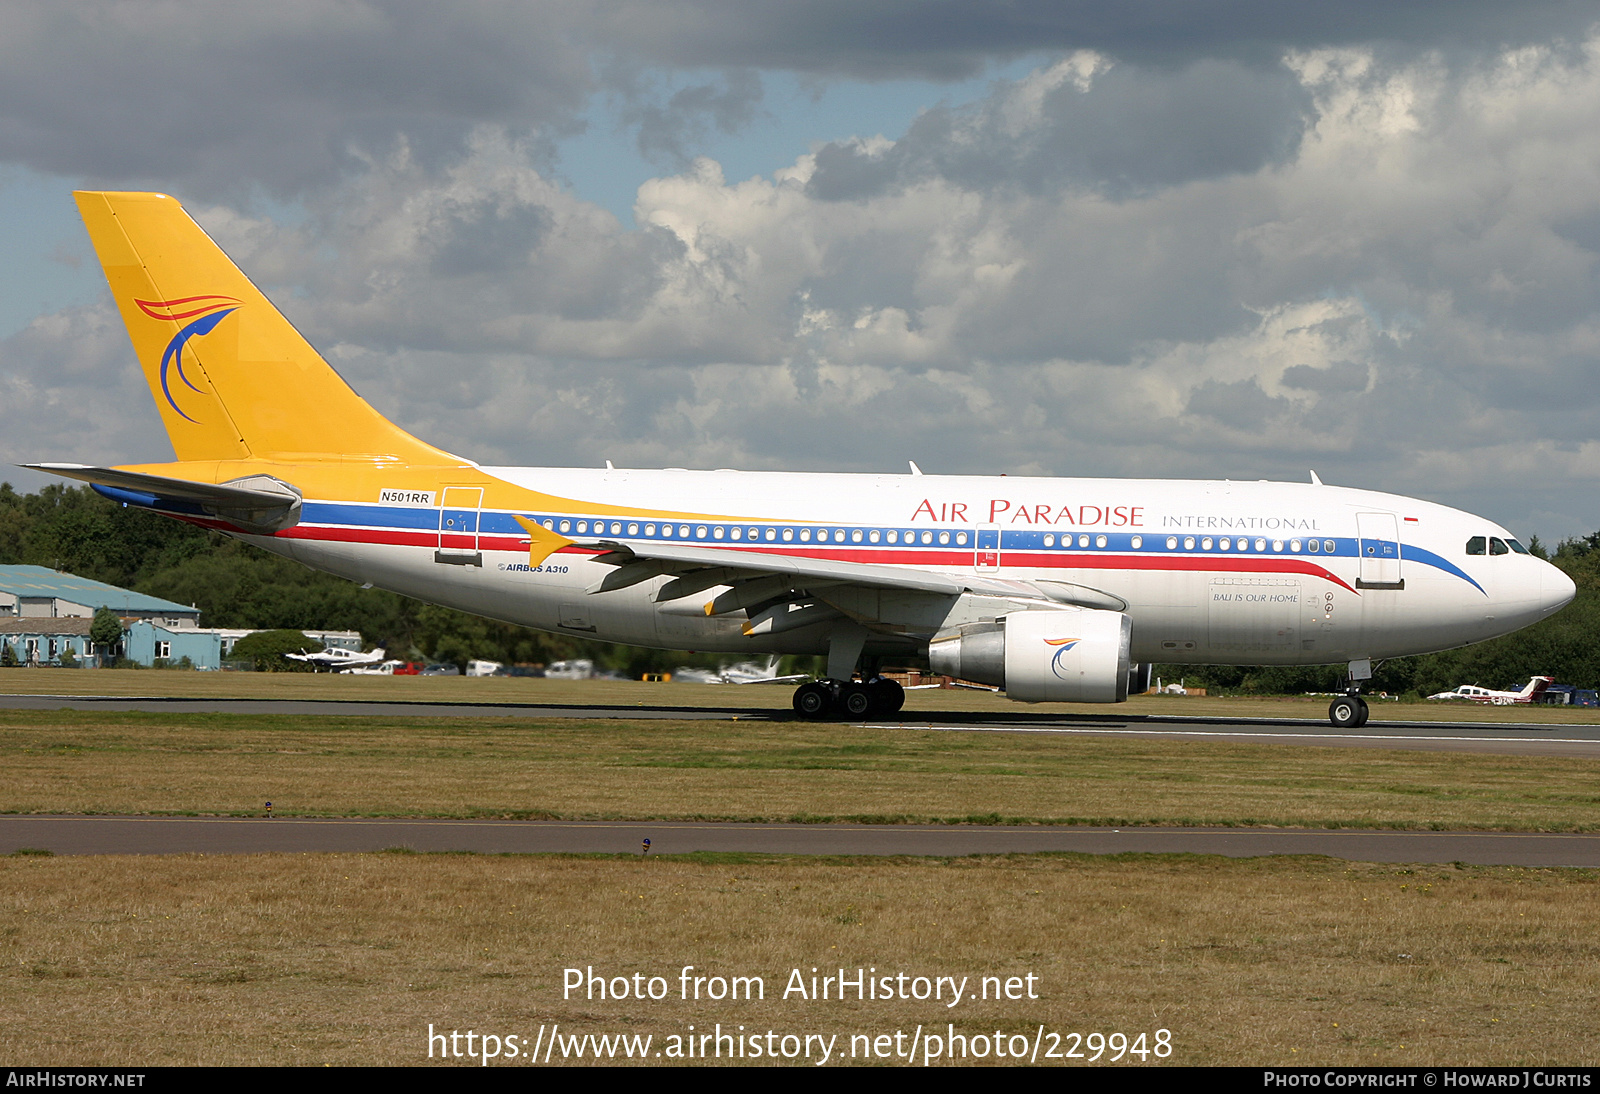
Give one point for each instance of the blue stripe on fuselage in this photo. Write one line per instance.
(499, 523)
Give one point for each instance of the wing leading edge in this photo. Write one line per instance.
(807, 589)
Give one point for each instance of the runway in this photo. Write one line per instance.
(79, 835)
(92, 835)
(1510, 738)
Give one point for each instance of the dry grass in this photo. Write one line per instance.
(502, 689)
(101, 762)
(347, 959)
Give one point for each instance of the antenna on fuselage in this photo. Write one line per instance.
(1314, 480)
(915, 470)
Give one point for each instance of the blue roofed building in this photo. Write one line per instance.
(45, 616)
(38, 592)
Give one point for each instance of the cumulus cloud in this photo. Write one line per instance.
(231, 97)
(73, 376)
(1377, 262)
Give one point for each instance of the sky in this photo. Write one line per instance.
(1243, 239)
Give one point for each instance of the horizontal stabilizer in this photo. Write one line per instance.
(259, 503)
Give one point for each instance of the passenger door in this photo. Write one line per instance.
(458, 526)
(1379, 545)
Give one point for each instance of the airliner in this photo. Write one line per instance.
(1054, 590)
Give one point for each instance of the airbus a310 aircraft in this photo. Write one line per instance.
(1053, 589)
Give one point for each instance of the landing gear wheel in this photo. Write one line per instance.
(1361, 716)
(1345, 712)
(855, 700)
(887, 696)
(812, 700)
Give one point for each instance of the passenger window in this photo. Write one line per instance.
(1498, 546)
(1476, 545)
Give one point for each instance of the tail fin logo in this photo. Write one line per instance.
(1063, 644)
(204, 313)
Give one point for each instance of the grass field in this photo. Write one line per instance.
(632, 693)
(313, 959)
(573, 768)
(348, 959)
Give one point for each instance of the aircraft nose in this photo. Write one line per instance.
(1556, 589)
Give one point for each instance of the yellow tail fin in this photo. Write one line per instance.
(231, 376)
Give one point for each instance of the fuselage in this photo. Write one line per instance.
(1210, 571)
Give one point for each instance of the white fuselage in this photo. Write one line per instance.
(1210, 572)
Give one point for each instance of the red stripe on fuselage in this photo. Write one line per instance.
(946, 559)
(1190, 563)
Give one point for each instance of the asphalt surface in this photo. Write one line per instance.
(78, 835)
(1523, 739)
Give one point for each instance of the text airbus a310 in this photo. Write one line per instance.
(1052, 589)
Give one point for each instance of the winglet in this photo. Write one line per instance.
(542, 542)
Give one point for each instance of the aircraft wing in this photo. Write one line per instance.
(256, 503)
(759, 577)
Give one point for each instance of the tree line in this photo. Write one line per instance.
(72, 528)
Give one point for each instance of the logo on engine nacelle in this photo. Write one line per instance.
(1065, 644)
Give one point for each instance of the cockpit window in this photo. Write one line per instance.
(1476, 545)
(1517, 547)
(1498, 546)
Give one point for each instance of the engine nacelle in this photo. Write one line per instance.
(1048, 656)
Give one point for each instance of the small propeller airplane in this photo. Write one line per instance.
(336, 659)
(1055, 590)
(1530, 693)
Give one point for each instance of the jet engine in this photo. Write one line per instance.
(1046, 656)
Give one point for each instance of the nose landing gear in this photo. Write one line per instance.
(1349, 711)
(821, 699)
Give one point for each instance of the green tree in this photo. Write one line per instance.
(266, 650)
(105, 631)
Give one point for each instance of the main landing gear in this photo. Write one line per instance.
(876, 698)
(1348, 711)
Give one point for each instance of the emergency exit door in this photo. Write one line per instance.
(986, 556)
